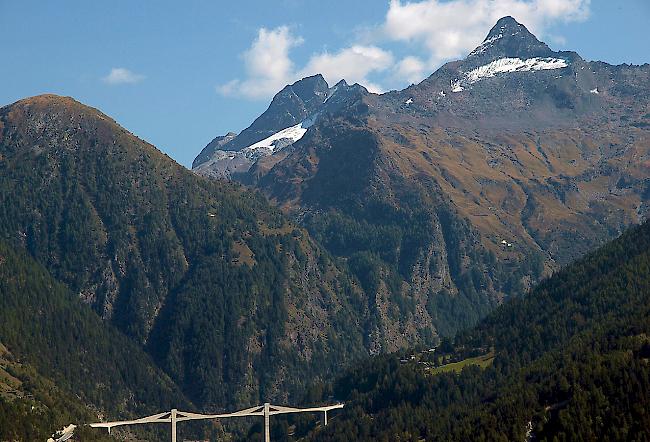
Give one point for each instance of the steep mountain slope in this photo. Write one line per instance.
(535, 154)
(469, 186)
(61, 364)
(32, 407)
(569, 361)
(232, 301)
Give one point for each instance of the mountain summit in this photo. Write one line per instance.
(509, 38)
(293, 110)
(290, 106)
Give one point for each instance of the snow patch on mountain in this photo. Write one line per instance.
(284, 137)
(223, 163)
(507, 65)
(514, 65)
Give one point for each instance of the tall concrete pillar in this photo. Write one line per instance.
(173, 419)
(267, 422)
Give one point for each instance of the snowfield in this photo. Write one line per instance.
(514, 65)
(506, 65)
(286, 136)
(237, 160)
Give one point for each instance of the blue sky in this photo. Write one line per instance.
(179, 73)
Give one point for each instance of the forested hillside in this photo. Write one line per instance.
(233, 302)
(569, 361)
(60, 364)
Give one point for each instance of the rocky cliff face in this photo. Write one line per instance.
(469, 186)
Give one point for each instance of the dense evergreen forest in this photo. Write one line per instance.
(57, 357)
(572, 362)
(233, 302)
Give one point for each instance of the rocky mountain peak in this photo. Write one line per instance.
(507, 26)
(309, 89)
(510, 39)
(290, 106)
(293, 110)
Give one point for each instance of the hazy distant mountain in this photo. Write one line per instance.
(451, 194)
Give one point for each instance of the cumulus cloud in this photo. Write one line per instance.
(352, 64)
(451, 29)
(267, 64)
(269, 67)
(425, 33)
(122, 76)
(411, 69)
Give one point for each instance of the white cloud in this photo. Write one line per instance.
(451, 29)
(122, 76)
(267, 64)
(411, 69)
(427, 33)
(352, 64)
(269, 67)
(229, 88)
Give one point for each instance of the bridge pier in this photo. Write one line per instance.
(267, 422)
(173, 420)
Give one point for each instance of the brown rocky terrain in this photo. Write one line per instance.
(468, 187)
